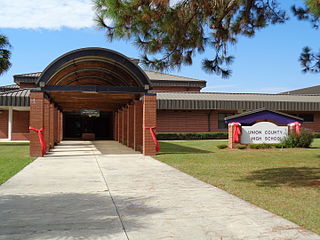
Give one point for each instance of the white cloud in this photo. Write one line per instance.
(46, 14)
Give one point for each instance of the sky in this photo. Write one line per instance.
(42, 30)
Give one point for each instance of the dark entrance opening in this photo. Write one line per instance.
(76, 125)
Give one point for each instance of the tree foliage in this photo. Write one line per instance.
(310, 60)
(171, 34)
(4, 54)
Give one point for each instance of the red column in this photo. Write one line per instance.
(46, 131)
(137, 124)
(56, 129)
(130, 126)
(61, 124)
(124, 126)
(52, 126)
(120, 114)
(36, 121)
(149, 120)
(115, 126)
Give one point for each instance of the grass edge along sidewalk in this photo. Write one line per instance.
(13, 158)
(283, 181)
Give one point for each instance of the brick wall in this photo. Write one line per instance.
(4, 124)
(198, 121)
(20, 125)
(189, 120)
(313, 126)
(27, 85)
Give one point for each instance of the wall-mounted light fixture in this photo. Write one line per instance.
(1, 111)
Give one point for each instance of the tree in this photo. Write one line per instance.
(171, 34)
(310, 61)
(4, 54)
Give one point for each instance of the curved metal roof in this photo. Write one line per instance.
(91, 58)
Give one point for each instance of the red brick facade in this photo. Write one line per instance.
(149, 120)
(4, 124)
(189, 121)
(20, 125)
(313, 126)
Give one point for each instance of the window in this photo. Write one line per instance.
(221, 122)
(305, 116)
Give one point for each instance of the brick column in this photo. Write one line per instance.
(149, 120)
(120, 114)
(47, 122)
(115, 126)
(59, 126)
(56, 129)
(124, 126)
(61, 121)
(36, 121)
(130, 126)
(231, 143)
(137, 125)
(52, 126)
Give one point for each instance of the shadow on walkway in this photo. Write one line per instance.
(291, 176)
(68, 216)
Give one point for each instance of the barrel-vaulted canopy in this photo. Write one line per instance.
(74, 80)
(94, 67)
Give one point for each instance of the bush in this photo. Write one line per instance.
(278, 145)
(241, 147)
(303, 141)
(192, 136)
(222, 146)
(316, 134)
(260, 146)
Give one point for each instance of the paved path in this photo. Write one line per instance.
(82, 191)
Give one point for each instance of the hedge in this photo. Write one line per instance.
(192, 136)
(200, 135)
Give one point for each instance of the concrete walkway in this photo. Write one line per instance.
(107, 191)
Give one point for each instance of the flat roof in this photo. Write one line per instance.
(236, 101)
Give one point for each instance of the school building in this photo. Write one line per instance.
(97, 93)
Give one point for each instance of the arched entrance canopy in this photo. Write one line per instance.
(72, 80)
(93, 69)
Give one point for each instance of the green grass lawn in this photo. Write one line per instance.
(285, 182)
(13, 157)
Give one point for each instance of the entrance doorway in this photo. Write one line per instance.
(76, 126)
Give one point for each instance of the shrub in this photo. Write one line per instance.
(303, 141)
(260, 146)
(241, 147)
(192, 136)
(316, 134)
(278, 145)
(222, 146)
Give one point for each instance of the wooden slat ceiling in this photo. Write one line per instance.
(74, 101)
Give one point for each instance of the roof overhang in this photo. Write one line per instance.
(250, 117)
